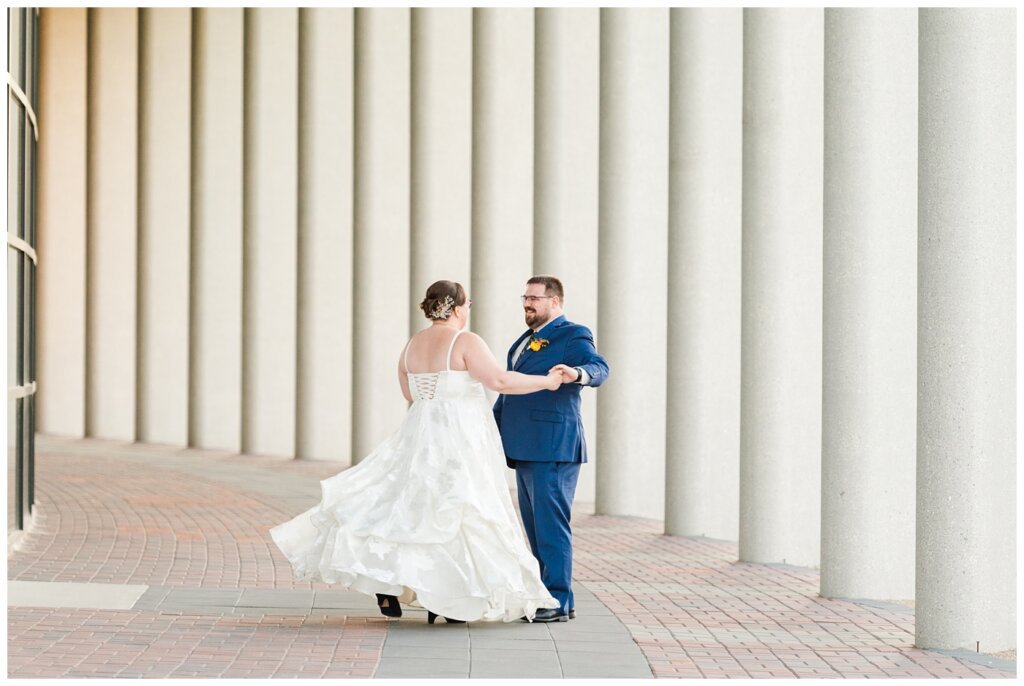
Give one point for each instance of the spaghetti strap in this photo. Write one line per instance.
(448, 361)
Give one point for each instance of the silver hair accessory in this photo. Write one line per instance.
(443, 310)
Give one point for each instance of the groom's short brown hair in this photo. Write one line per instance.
(552, 285)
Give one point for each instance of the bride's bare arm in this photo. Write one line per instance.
(482, 366)
(403, 380)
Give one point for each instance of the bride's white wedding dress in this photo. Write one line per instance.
(427, 515)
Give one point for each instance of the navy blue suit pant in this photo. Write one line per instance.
(546, 490)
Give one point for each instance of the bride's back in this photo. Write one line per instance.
(427, 351)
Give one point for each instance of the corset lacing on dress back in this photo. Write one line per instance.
(423, 386)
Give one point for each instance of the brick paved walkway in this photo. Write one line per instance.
(186, 523)
(696, 612)
(99, 643)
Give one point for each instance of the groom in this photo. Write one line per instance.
(543, 433)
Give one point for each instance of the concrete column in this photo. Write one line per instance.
(780, 435)
(966, 352)
(61, 197)
(381, 285)
(503, 144)
(269, 295)
(705, 258)
(566, 153)
(870, 304)
(442, 151)
(165, 74)
(632, 264)
(215, 408)
(112, 223)
(326, 73)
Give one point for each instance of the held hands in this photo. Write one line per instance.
(554, 380)
(568, 374)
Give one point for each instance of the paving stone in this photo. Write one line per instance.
(346, 600)
(275, 598)
(417, 638)
(199, 597)
(593, 637)
(580, 671)
(625, 646)
(599, 657)
(429, 652)
(193, 526)
(519, 657)
(491, 669)
(518, 644)
(398, 667)
(512, 631)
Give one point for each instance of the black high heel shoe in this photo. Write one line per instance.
(388, 605)
(432, 616)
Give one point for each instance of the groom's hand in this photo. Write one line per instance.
(569, 374)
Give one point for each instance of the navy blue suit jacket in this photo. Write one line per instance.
(546, 426)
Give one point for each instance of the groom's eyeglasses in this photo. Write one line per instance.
(533, 298)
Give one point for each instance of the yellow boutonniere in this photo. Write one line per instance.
(538, 343)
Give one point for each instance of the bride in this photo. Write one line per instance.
(426, 518)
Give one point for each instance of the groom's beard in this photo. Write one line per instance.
(532, 318)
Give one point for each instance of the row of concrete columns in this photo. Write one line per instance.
(872, 386)
(792, 230)
(240, 206)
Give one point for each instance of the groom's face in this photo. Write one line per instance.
(536, 305)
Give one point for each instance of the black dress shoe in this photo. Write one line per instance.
(550, 615)
(388, 605)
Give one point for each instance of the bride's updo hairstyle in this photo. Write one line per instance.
(442, 298)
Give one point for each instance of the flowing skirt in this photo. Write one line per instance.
(426, 517)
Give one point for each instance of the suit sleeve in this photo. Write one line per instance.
(581, 352)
